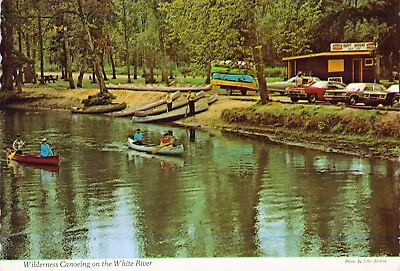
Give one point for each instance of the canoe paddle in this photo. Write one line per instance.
(158, 149)
(11, 156)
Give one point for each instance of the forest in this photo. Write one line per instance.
(182, 37)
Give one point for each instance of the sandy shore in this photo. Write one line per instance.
(64, 99)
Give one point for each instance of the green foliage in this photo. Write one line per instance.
(319, 119)
(275, 72)
(197, 32)
(99, 99)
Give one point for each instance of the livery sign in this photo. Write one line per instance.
(354, 46)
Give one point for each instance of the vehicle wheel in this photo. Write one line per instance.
(244, 92)
(229, 91)
(294, 99)
(395, 102)
(353, 100)
(312, 98)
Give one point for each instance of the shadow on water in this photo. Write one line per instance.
(227, 196)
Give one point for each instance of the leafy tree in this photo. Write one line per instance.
(7, 46)
(205, 30)
(293, 25)
(218, 30)
(93, 14)
(128, 28)
(12, 60)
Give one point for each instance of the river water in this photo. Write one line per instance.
(228, 196)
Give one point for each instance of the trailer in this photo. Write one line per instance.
(234, 76)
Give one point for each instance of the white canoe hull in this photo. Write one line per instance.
(178, 150)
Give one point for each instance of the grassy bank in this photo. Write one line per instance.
(373, 133)
(370, 133)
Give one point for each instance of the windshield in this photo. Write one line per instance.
(355, 86)
(320, 84)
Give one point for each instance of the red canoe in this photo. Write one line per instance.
(35, 158)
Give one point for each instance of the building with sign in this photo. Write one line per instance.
(348, 62)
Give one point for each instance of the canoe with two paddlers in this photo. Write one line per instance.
(34, 158)
(166, 150)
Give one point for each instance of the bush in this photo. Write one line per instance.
(319, 119)
(185, 71)
(99, 99)
(388, 126)
(274, 72)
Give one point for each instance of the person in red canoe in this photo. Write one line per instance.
(18, 144)
(45, 149)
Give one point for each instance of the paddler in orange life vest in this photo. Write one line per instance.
(166, 140)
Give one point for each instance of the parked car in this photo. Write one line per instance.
(367, 93)
(313, 92)
(281, 86)
(393, 88)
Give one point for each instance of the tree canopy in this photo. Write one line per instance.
(163, 34)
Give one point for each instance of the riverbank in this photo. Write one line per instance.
(242, 116)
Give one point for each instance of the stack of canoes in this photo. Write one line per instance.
(163, 108)
(99, 109)
(201, 105)
(147, 106)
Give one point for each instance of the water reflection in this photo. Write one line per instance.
(228, 196)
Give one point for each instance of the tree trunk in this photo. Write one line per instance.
(262, 84)
(67, 55)
(128, 71)
(114, 71)
(41, 47)
(256, 51)
(135, 66)
(93, 51)
(7, 46)
(19, 79)
(208, 79)
(164, 70)
(93, 77)
(126, 40)
(103, 52)
(81, 74)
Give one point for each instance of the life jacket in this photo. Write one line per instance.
(165, 140)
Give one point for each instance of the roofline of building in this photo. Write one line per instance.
(328, 54)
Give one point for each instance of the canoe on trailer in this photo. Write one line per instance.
(98, 109)
(167, 150)
(183, 112)
(130, 112)
(163, 108)
(35, 158)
